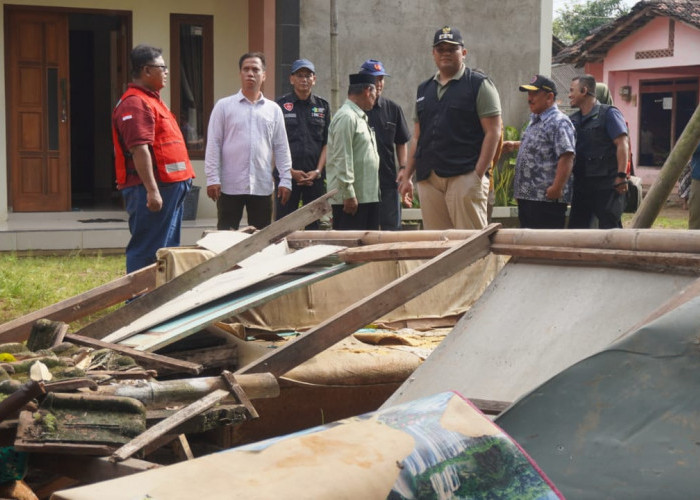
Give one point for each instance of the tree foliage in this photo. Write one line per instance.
(577, 20)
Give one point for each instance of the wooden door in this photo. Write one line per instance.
(38, 127)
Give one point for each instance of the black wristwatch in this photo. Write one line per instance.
(622, 175)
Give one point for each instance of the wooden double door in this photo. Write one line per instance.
(39, 109)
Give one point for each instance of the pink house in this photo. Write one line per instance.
(650, 59)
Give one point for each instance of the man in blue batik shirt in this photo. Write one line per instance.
(542, 184)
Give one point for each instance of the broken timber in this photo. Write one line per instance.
(162, 364)
(431, 249)
(170, 423)
(209, 269)
(369, 309)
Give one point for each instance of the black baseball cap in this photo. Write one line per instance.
(539, 82)
(448, 35)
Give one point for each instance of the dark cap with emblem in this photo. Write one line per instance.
(362, 78)
(448, 35)
(539, 82)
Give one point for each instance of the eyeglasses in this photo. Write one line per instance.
(163, 67)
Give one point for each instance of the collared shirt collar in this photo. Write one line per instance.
(358, 110)
(544, 114)
(148, 91)
(456, 76)
(311, 99)
(241, 97)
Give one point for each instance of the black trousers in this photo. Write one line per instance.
(303, 194)
(605, 204)
(366, 217)
(230, 207)
(542, 214)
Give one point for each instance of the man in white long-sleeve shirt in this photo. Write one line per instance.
(246, 138)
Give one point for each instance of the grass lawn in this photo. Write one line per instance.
(29, 283)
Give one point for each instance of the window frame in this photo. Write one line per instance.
(207, 24)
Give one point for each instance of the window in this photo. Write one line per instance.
(192, 77)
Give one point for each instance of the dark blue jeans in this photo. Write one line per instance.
(153, 230)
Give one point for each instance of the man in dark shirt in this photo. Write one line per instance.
(391, 130)
(306, 118)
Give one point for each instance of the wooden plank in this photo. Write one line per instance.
(210, 357)
(236, 389)
(168, 424)
(218, 287)
(184, 446)
(162, 364)
(384, 300)
(88, 469)
(166, 333)
(626, 258)
(84, 304)
(402, 250)
(210, 268)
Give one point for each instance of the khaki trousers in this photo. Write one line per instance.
(453, 202)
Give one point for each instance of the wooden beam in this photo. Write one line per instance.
(210, 268)
(397, 251)
(168, 424)
(384, 300)
(84, 304)
(162, 364)
(629, 259)
(235, 388)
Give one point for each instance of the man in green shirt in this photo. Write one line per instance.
(352, 165)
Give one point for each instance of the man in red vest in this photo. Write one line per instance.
(154, 173)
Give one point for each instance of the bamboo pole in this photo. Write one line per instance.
(668, 175)
(335, 86)
(159, 394)
(649, 240)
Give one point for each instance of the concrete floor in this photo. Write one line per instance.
(44, 231)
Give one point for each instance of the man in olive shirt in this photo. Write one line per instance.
(352, 166)
(456, 134)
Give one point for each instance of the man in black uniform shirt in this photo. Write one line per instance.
(306, 118)
(391, 130)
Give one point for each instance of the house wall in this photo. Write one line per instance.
(151, 24)
(620, 67)
(510, 40)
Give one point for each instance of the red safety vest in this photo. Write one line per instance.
(169, 148)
